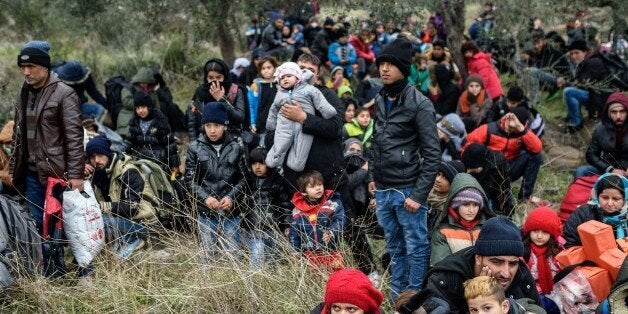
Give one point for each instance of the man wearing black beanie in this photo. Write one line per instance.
(497, 253)
(48, 133)
(405, 158)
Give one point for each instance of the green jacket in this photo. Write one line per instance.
(450, 237)
(143, 75)
(354, 129)
(419, 79)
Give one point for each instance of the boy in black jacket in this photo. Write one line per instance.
(267, 210)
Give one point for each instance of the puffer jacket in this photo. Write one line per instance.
(143, 75)
(157, 144)
(306, 232)
(266, 202)
(354, 129)
(444, 281)
(480, 63)
(495, 138)
(216, 174)
(606, 147)
(590, 211)
(362, 49)
(450, 237)
(237, 107)
(405, 149)
(59, 134)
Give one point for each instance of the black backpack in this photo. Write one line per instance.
(113, 93)
(617, 68)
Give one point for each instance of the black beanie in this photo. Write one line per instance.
(215, 112)
(499, 237)
(144, 99)
(36, 52)
(450, 169)
(522, 114)
(515, 93)
(399, 53)
(99, 145)
(578, 45)
(474, 156)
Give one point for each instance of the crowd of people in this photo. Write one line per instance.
(335, 134)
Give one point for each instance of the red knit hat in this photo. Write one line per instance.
(545, 219)
(353, 287)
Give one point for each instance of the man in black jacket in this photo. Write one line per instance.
(405, 156)
(590, 74)
(496, 253)
(272, 40)
(608, 150)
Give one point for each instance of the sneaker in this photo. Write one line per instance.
(375, 278)
(128, 249)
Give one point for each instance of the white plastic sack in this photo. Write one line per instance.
(83, 224)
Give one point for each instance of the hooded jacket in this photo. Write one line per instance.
(157, 144)
(609, 145)
(590, 211)
(444, 282)
(143, 75)
(59, 151)
(289, 142)
(450, 237)
(480, 63)
(510, 144)
(405, 146)
(310, 221)
(215, 173)
(237, 108)
(355, 130)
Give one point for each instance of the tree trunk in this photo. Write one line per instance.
(227, 44)
(453, 18)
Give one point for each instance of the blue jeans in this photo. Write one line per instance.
(539, 80)
(92, 110)
(406, 239)
(218, 233)
(53, 251)
(527, 165)
(574, 97)
(586, 170)
(35, 193)
(121, 229)
(261, 248)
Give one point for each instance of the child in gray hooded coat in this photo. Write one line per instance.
(294, 85)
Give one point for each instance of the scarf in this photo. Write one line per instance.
(436, 200)
(467, 100)
(468, 225)
(393, 90)
(545, 280)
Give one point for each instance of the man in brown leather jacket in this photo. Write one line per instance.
(48, 136)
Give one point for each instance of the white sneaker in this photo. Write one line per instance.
(375, 278)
